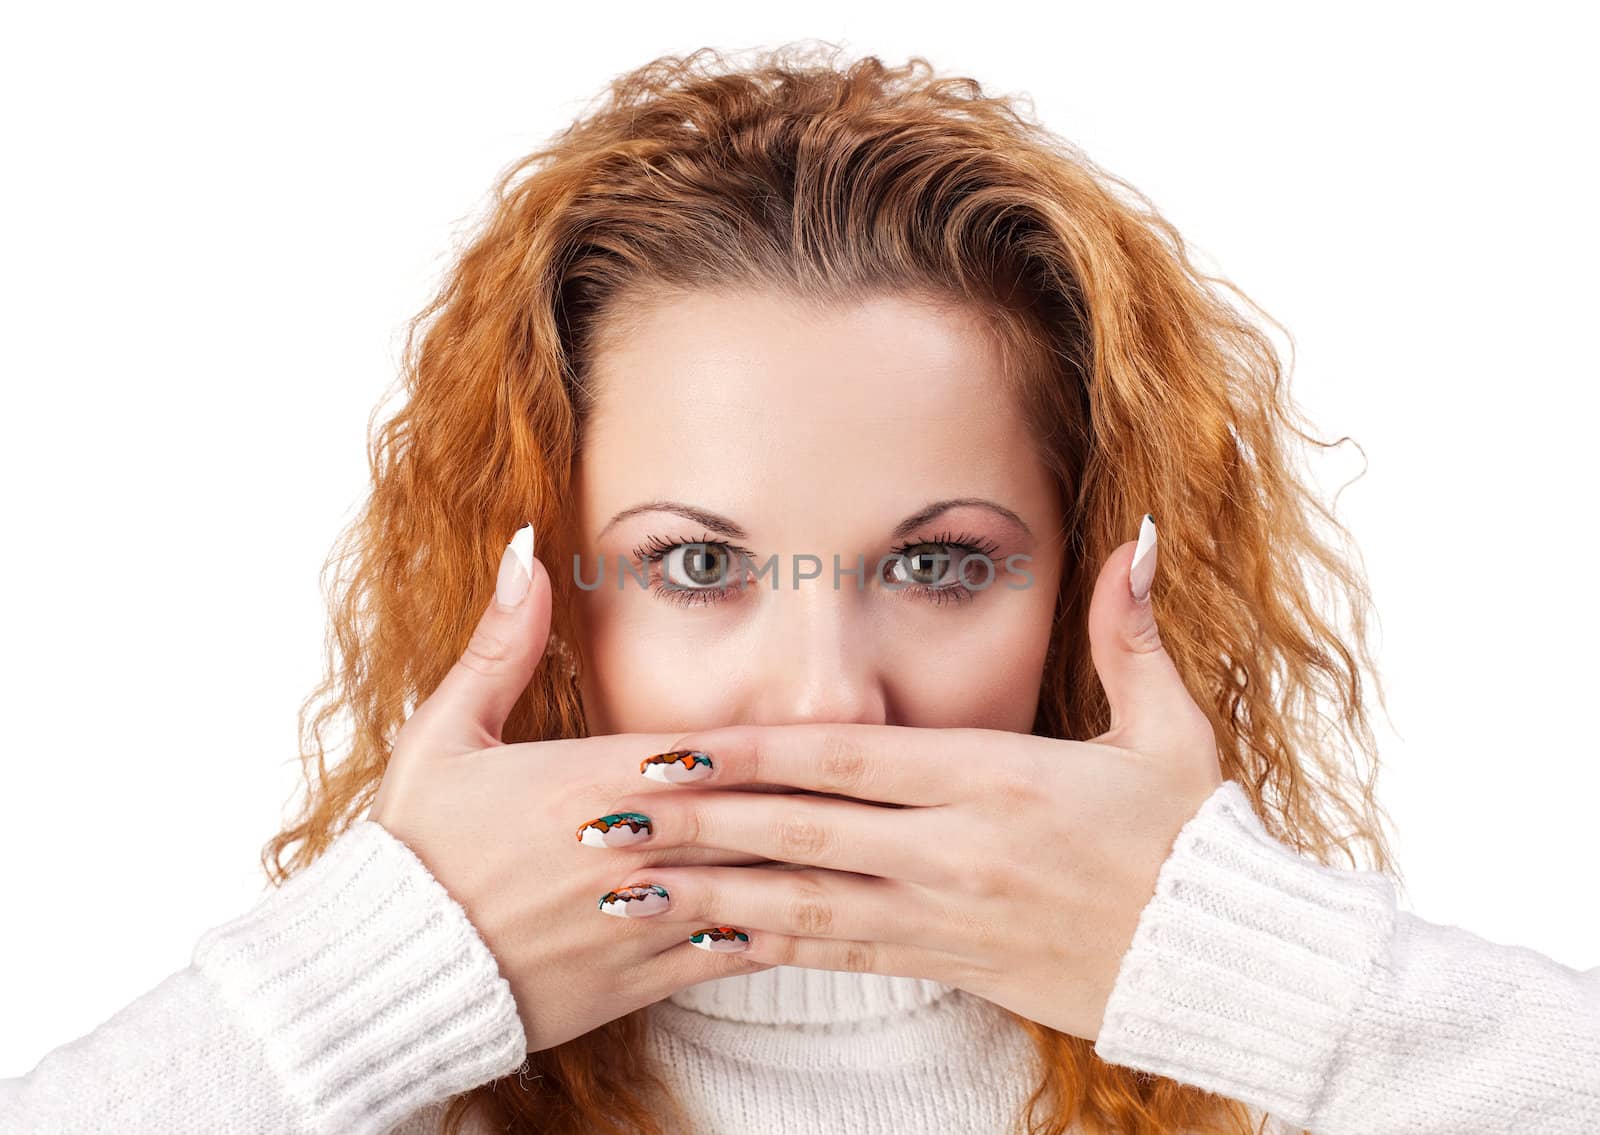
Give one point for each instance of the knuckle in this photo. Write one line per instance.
(843, 766)
(1010, 880)
(810, 911)
(994, 877)
(487, 652)
(1147, 639)
(801, 837)
(858, 957)
(966, 878)
(1014, 787)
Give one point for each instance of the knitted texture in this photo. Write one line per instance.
(349, 997)
(358, 996)
(1300, 988)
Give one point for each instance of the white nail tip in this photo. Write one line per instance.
(642, 906)
(1143, 570)
(674, 773)
(522, 548)
(620, 836)
(720, 945)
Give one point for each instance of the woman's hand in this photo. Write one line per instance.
(490, 821)
(1009, 865)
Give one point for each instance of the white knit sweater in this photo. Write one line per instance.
(357, 998)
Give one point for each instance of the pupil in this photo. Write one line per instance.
(702, 564)
(934, 562)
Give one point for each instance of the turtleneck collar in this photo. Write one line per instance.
(796, 995)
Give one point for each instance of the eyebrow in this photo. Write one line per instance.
(722, 526)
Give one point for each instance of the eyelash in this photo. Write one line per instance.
(966, 545)
(656, 549)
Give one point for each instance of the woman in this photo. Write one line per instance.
(925, 800)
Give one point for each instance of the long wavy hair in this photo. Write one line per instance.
(1146, 387)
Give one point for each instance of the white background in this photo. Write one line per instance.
(216, 220)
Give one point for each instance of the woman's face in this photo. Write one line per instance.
(794, 438)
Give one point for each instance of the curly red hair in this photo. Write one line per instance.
(1147, 389)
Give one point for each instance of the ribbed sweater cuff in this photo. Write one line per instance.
(1247, 965)
(370, 989)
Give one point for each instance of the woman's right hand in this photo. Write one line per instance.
(496, 825)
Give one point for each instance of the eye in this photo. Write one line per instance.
(942, 570)
(697, 565)
(948, 569)
(692, 572)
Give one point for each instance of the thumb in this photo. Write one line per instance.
(469, 708)
(1150, 705)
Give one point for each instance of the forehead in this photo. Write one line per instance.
(746, 401)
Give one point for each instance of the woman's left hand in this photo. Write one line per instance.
(1009, 865)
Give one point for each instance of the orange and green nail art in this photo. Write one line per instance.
(618, 829)
(637, 901)
(677, 767)
(721, 939)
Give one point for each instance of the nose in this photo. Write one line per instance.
(817, 660)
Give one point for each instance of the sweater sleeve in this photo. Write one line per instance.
(1302, 989)
(352, 995)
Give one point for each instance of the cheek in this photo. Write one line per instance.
(988, 678)
(990, 661)
(654, 670)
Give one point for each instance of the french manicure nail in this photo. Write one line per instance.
(618, 829)
(1143, 570)
(516, 569)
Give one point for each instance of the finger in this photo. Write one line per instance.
(894, 765)
(896, 958)
(723, 951)
(803, 902)
(468, 709)
(842, 835)
(1150, 705)
(712, 947)
(684, 963)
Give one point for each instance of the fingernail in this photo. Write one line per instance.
(677, 767)
(618, 829)
(637, 901)
(721, 939)
(1143, 570)
(516, 569)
